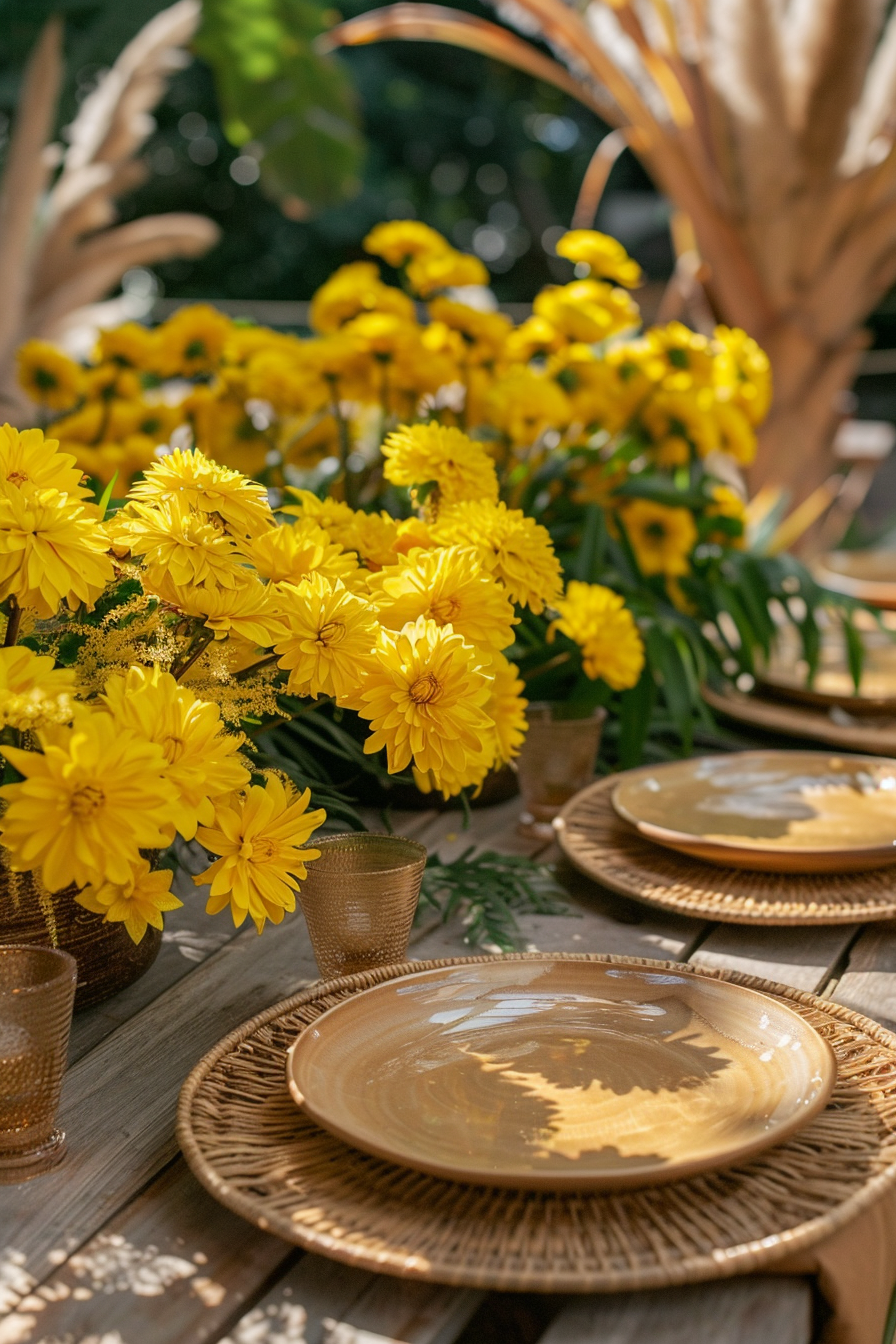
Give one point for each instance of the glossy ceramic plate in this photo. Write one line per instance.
(771, 811)
(869, 576)
(787, 673)
(568, 1075)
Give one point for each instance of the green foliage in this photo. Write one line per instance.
(298, 108)
(488, 890)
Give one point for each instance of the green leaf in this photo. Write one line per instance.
(276, 92)
(635, 713)
(490, 889)
(106, 496)
(590, 560)
(855, 650)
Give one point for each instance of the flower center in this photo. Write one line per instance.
(258, 851)
(444, 609)
(655, 531)
(173, 748)
(426, 689)
(331, 633)
(87, 801)
(18, 477)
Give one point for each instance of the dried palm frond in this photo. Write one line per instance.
(61, 249)
(771, 124)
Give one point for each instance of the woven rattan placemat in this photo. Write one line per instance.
(254, 1151)
(876, 736)
(611, 851)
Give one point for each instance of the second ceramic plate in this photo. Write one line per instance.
(771, 811)
(561, 1075)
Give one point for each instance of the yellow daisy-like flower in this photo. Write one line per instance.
(331, 634)
(34, 693)
(605, 255)
(259, 836)
(354, 289)
(445, 270)
(137, 903)
(676, 419)
(460, 468)
(742, 373)
(246, 610)
(291, 553)
(587, 310)
(131, 345)
(483, 334)
(661, 537)
(29, 459)
(737, 437)
(398, 240)
(192, 341)
(514, 548)
(597, 619)
(178, 545)
(374, 537)
(675, 357)
(88, 804)
(425, 697)
(196, 481)
(523, 404)
(450, 587)
(202, 760)
(506, 707)
(48, 375)
(727, 504)
(50, 552)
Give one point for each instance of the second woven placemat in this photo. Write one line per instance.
(612, 852)
(253, 1150)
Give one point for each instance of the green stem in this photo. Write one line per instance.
(246, 672)
(198, 648)
(345, 446)
(557, 661)
(13, 622)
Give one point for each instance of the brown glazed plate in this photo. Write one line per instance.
(560, 1075)
(769, 811)
(868, 576)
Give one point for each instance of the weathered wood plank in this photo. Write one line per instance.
(294, 1310)
(739, 1311)
(804, 958)
(174, 1260)
(412, 1313)
(868, 985)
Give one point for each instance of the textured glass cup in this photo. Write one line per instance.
(359, 900)
(37, 992)
(557, 760)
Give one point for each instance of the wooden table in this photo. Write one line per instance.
(123, 1246)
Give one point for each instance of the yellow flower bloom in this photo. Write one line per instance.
(603, 254)
(354, 289)
(50, 552)
(131, 344)
(737, 437)
(425, 698)
(48, 375)
(201, 484)
(676, 419)
(246, 610)
(136, 903)
(662, 538)
(604, 391)
(535, 336)
(202, 760)
(460, 468)
(445, 270)
(401, 239)
(293, 552)
(742, 373)
(523, 404)
(88, 804)
(331, 634)
(483, 334)
(447, 586)
(259, 837)
(587, 310)
(192, 341)
(29, 459)
(178, 545)
(516, 549)
(727, 504)
(506, 707)
(597, 619)
(33, 693)
(673, 356)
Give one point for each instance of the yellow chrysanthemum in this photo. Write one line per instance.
(291, 553)
(460, 468)
(450, 587)
(506, 707)
(726, 503)
(137, 903)
(29, 459)
(523, 404)
(428, 275)
(259, 837)
(196, 481)
(202, 760)
(676, 419)
(605, 255)
(246, 610)
(742, 373)
(178, 545)
(329, 641)
(48, 375)
(33, 693)
(425, 697)
(88, 804)
(661, 537)
(398, 240)
(535, 336)
(737, 437)
(673, 356)
(514, 548)
(374, 537)
(587, 310)
(597, 619)
(354, 289)
(50, 552)
(483, 334)
(192, 341)
(131, 345)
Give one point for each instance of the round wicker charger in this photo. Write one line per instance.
(608, 849)
(259, 1155)
(875, 736)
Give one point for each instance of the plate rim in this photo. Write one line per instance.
(569, 1182)
(679, 839)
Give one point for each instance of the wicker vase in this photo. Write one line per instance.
(108, 960)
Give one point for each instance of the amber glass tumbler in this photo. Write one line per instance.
(37, 992)
(359, 900)
(557, 760)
